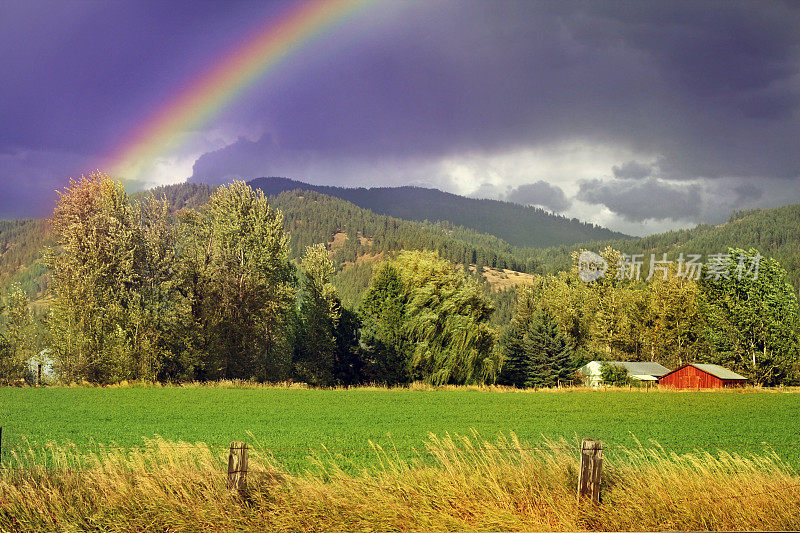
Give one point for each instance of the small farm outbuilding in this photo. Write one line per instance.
(701, 376)
(640, 371)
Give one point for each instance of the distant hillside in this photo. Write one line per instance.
(516, 224)
(179, 195)
(358, 237)
(774, 232)
(355, 236)
(21, 242)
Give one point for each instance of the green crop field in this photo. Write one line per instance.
(292, 421)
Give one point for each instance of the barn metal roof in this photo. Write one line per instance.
(718, 371)
(636, 368)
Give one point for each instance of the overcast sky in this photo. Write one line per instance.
(638, 116)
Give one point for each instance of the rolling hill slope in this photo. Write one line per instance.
(516, 224)
(359, 236)
(774, 232)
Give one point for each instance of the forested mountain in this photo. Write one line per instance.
(355, 236)
(21, 242)
(516, 224)
(354, 232)
(773, 232)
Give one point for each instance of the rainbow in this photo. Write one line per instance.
(210, 92)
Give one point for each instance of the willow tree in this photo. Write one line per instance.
(447, 319)
(236, 275)
(443, 323)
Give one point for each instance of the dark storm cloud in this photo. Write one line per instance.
(78, 76)
(542, 194)
(709, 201)
(632, 170)
(747, 192)
(708, 89)
(642, 200)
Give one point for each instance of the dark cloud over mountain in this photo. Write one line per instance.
(542, 194)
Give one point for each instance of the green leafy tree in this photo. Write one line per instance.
(95, 272)
(447, 321)
(239, 284)
(18, 344)
(669, 321)
(158, 316)
(425, 319)
(752, 315)
(614, 374)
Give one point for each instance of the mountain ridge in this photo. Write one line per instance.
(519, 225)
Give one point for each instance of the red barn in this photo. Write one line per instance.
(697, 376)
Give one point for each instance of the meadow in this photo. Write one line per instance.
(474, 459)
(294, 423)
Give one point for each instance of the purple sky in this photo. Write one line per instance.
(638, 116)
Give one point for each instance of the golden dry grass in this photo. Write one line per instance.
(503, 278)
(457, 483)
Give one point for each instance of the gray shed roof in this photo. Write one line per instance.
(640, 368)
(719, 371)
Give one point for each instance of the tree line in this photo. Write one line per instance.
(746, 321)
(141, 290)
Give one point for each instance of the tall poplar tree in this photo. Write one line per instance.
(240, 285)
(95, 272)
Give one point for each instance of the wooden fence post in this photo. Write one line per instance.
(237, 467)
(591, 470)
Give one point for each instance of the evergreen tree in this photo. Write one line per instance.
(535, 352)
(549, 354)
(320, 311)
(514, 369)
(349, 368)
(382, 312)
